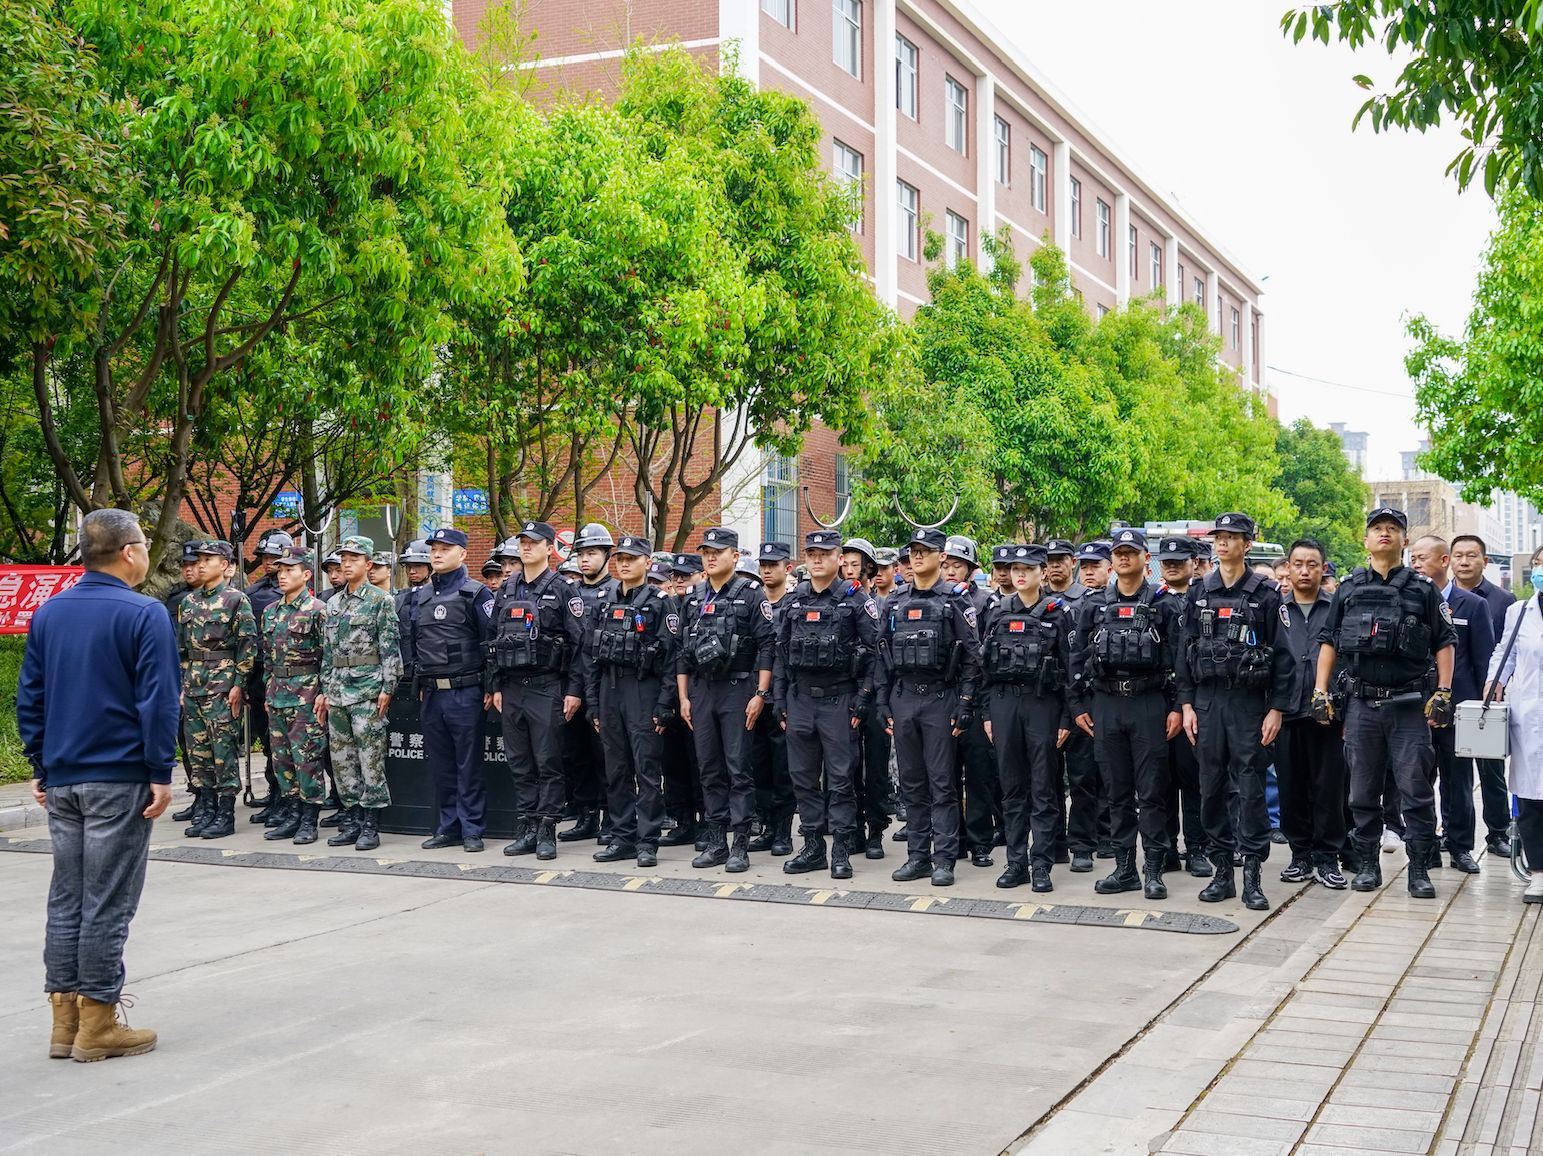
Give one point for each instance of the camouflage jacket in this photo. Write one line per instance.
(217, 639)
(363, 657)
(292, 649)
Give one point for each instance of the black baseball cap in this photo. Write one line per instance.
(1093, 552)
(1057, 546)
(1128, 538)
(631, 544)
(775, 552)
(1388, 514)
(929, 539)
(1236, 524)
(1175, 549)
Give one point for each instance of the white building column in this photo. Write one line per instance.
(1061, 165)
(1246, 339)
(1122, 247)
(742, 22)
(1175, 292)
(886, 269)
(1212, 310)
(985, 163)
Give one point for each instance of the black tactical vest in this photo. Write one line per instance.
(1383, 620)
(531, 634)
(822, 637)
(404, 625)
(627, 635)
(921, 636)
(1125, 636)
(1227, 651)
(721, 637)
(448, 643)
(1020, 648)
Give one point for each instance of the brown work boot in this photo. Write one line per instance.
(66, 1024)
(101, 1036)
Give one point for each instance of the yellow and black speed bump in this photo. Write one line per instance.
(714, 887)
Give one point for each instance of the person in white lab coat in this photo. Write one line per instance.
(1520, 682)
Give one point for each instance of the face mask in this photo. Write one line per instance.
(1537, 579)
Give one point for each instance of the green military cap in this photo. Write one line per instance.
(357, 544)
(223, 549)
(383, 558)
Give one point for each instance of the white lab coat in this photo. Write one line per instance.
(1523, 681)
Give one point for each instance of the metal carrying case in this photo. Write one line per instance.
(1481, 730)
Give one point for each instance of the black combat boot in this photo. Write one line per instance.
(336, 817)
(1016, 875)
(615, 851)
(715, 848)
(587, 827)
(914, 868)
(1041, 879)
(648, 855)
(810, 858)
(1081, 862)
(305, 831)
(369, 829)
(1368, 872)
(1155, 888)
(1253, 890)
(187, 812)
(266, 807)
(224, 821)
(874, 848)
(840, 859)
(203, 806)
(782, 837)
(1123, 877)
(524, 837)
(739, 854)
(1223, 884)
(288, 811)
(348, 828)
(1171, 860)
(1196, 863)
(1420, 886)
(683, 834)
(763, 839)
(546, 839)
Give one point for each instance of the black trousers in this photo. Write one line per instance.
(1232, 760)
(774, 799)
(982, 794)
(723, 749)
(1083, 788)
(1529, 827)
(1377, 738)
(1494, 797)
(1454, 782)
(533, 743)
(821, 741)
(926, 754)
(1183, 795)
(634, 756)
(452, 746)
(1310, 775)
(583, 762)
(1130, 741)
(1024, 727)
(682, 785)
(875, 794)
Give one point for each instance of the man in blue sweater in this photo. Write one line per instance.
(97, 708)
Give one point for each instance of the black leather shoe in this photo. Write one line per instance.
(472, 843)
(715, 848)
(942, 876)
(587, 827)
(1171, 860)
(1278, 836)
(762, 843)
(1016, 875)
(902, 833)
(616, 852)
(647, 857)
(1368, 876)
(874, 848)
(1154, 887)
(981, 857)
(782, 839)
(810, 858)
(369, 829)
(333, 819)
(1417, 874)
(288, 812)
(1196, 863)
(1122, 878)
(1499, 845)
(1042, 880)
(1081, 862)
(348, 831)
(186, 813)
(1466, 863)
(305, 830)
(546, 839)
(912, 870)
(1223, 885)
(682, 836)
(435, 842)
(524, 837)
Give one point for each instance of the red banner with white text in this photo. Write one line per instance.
(24, 588)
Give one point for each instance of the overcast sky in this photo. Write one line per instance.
(1252, 136)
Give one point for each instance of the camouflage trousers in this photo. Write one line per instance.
(358, 735)
(296, 743)
(213, 737)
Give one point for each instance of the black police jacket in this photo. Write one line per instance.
(826, 638)
(636, 631)
(1102, 608)
(1233, 632)
(539, 628)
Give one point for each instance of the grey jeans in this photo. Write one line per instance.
(101, 845)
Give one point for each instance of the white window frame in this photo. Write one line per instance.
(907, 65)
(1103, 311)
(957, 242)
(907, 220)
(1200, 292)
(1237, 328)
(1003, 133)
(1134, 238)
(846, 36)
(847, 163)
(1076, 206)
(956, 112)
(1039, 177)
(1104, 228)
(779, 10)
(1155, 253)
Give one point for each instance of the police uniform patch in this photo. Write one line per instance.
(1285, 616)
(439, 612)
(969, 615)
(672, 623)
(1446, 611)
(872, 608)
(766, 610)
(576, 607)
(487, 610)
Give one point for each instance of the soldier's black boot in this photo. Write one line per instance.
(1223, 884)
(715, 848)
(683, 835)
(768, 834)
(1196, 863)
(739, 854)
(915, 867)
(875, 845)
(186, 813)
(1040, 879)
(587, 827)
(369, 829)
(1155, 888)
(203, 811)
(224, 821)
(524, 837)
(1253, 889)
(546, 839)
(782, 837)
(288, 811)
(305, 831)
(1123, 877)
(1368, 873)
(840, 859)
(336, 817)
(348, 828)
(1420, 886)
(811, 857)
(1016, 875)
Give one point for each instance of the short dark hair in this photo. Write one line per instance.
(104, 533)
(1307, 544)
(1483, 549)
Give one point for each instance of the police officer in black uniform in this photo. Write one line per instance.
(1025, 656)
(827, 640)
(415, 562)
(929, 648)
(775, 801)
(452, 617)
(1123, 658)
(630, 687)
(682, 784)
(1176, 566)
(724, 678)
(536, 672)
(1077, 825)
(875, 796)
(1234, 682)
(1389, 622)
(583, 749)
(982, 793)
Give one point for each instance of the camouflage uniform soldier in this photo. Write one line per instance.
(292, 630)
(360, 667)
(217, 639)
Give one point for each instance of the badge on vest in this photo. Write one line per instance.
(1017, 626)
(811, 615)
(672, 623)
(872, 608)
(1127, 612)
(439, 613)
(913, 615)
(766, 610)
(515, 612)
(576, 607)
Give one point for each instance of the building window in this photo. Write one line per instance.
(849, 171)
(1103, 311)
(1004, 151)
(847, 36)
(1237, 330)
(907, 220)
(956, 111)
(1200, 292)
(1156, 252)
(1180, 281)
(1076, 207)
(958, 239)
(1039, 177)
(1135, 272)
(1103, 228)
(779, 500)
(843, 482)
(905, 76)
(779, 10)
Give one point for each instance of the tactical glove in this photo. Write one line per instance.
(1323, 707)
(1439, 708)
(964, 716)
(664, 715)
(862, 706)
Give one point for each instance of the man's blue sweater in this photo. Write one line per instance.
(100, 689)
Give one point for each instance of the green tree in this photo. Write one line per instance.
(1476, 61)
(1328, 494)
